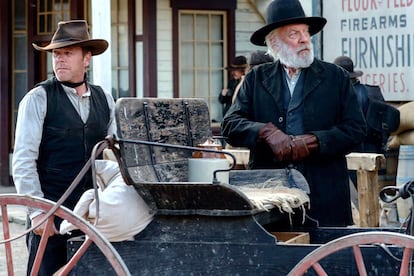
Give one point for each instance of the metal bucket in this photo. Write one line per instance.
(203, 164)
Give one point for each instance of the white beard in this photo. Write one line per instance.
(289, 57)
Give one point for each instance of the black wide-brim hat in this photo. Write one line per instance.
(347, 63)
(74, 33)
(285, 12)
(238, 63)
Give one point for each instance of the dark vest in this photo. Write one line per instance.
(67, 141)
(294, 107)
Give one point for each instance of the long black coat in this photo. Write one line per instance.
(331, 112)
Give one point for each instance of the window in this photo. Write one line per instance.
(49, 13)
(203, 41)
(119, 47)
(202, 53)
(19, 57)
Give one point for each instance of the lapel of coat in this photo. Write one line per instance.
(313, 77)
(273, 83)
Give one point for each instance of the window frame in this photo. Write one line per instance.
(204, 70)
(229, 6)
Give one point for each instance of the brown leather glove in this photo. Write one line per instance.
(278, 141)
(303, 146)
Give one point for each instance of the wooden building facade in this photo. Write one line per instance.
(162, 48)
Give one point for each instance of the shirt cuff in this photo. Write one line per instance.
(34, 212)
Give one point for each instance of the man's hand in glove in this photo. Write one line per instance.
(278, 141)
(303, 146)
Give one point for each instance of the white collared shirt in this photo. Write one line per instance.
(292, 80)
(29, 129)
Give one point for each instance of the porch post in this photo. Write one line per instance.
(101, 28)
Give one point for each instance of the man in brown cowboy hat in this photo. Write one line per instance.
(237, 68)
(59, 121)
(299, 112)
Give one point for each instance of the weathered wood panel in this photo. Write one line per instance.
(226, 248)
(182, 122)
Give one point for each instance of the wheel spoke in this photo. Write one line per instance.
(42, 246)
(6, 235)
(91, 233)
(359, 260)
(406, 260)
(76, 257)
(319, 269)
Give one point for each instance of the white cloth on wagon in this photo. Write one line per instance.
(122, 211)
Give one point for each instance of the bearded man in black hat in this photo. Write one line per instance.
(299, 112)
(59, 121)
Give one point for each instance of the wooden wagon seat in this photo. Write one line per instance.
(160, 173)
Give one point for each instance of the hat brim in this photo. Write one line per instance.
(236, 67)
(315, 24)
(355, 74)
(97, 46)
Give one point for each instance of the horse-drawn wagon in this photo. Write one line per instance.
(211, 227)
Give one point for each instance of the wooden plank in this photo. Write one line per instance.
(226, 249)
(365, 161)
(187, 198)
(241, 155)
(292, 237)
(321, 235)
(368, 198)
(367, 166)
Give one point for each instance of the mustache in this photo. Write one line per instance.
(304, 47)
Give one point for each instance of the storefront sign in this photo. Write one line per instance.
(379, 37)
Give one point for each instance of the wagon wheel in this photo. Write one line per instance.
(92, 235)
(355, 241)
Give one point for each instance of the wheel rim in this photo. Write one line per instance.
(91, 233)
(354, 241)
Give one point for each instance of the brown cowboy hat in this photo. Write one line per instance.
(238, 63)
(285, 12)
(348, 65)
(74, 33)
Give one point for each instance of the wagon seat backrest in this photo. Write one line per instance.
(177, 121)
(160, 173)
